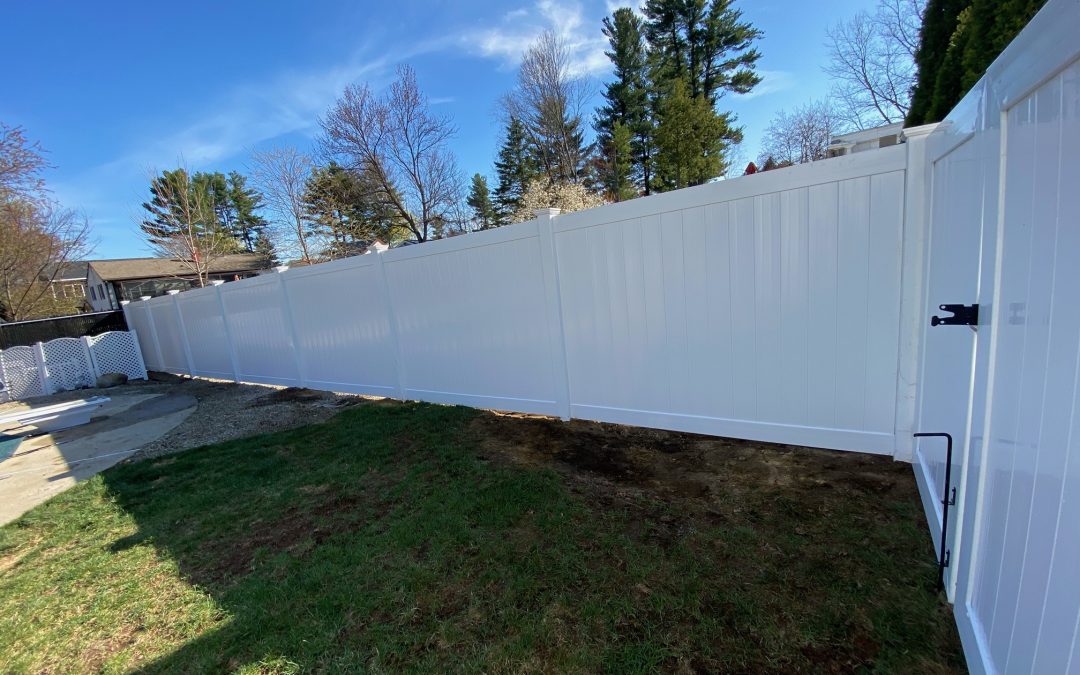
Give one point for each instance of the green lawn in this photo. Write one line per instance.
(403, 538)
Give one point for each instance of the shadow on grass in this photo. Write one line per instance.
(388, 539)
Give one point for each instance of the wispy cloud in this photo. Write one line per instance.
(772, 81)
(517, 30)
(252, 113)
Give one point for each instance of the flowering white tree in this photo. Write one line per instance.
(542, 194)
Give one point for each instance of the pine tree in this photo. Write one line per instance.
(244, 202)
(516, 166)
(264, 246)
(626, 98)
(347, 210)
(616, 165)
(705, 44)
(480, 201)
(183, 205)
(690, 139)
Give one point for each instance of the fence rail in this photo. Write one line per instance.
(764, 308)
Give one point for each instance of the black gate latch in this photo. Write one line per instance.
(962, 315)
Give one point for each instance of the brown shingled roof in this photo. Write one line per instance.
(151, 268)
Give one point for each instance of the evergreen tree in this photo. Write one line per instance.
(347, 210)
(244, 202)
(516, 166)
(959, 41)
(264, 246)
(994, 24)
(690, 139)
(626, 98)
(703, 43)
(185, 205)
(480, 202)
(616, 165)
(940, 19)
(234, 205)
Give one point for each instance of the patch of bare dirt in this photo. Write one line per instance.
(710, 474)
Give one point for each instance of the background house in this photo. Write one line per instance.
(110, 281)
(866, 139)
(69, 282)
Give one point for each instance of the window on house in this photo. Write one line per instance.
(93, 296)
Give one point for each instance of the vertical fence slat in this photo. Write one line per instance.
(384, 292)
(287, 314)
(229, 345)
(183, 333)
(149, 314)
(39, 359)
(549, 261)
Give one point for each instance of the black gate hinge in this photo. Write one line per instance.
(962, 315)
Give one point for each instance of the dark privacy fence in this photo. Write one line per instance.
(43, 330)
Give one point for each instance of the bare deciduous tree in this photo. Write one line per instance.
(802, 135)
(549, 100)
(183, 225)
(872, 60)
(36, 236)
(403, 146)
(281, 175)
(21, 163)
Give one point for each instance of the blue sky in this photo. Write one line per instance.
(115, 91)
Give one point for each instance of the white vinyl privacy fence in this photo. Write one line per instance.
(791, 306)
(68, 363)
(764, 307)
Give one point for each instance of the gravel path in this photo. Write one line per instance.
(228, 410)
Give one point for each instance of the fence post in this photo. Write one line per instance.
(183, 332)
(399, 361)
(229, 346)
(298, 356)
(138, 346)
(5, 390)
(549, 262)
(90, 360)
(912, 284)
(39, 359)
(153, 331)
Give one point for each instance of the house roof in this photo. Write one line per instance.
(68, 271)
(151, 268)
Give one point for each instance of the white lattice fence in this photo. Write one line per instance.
(68, 363)
(117, 352)
(21, 373)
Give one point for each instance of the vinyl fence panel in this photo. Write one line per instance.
(766, 307)
(344, 335)
(260, 325)
(471, 321)
(772, 316)
(204, 328)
